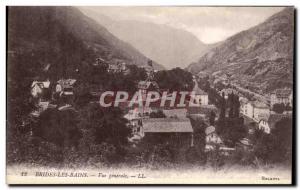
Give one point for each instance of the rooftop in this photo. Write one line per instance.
(41, 84)
(202, 109)
(258, 104)
(66, 82)
(167, 125)
(209, 130)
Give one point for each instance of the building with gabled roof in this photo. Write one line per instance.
(65, 86)
(147, 85)
(167, 125)
(37, 87)
(254, 109)
(178, 132)
(211, 136)
(199, 96)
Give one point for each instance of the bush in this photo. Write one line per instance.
(279, 108)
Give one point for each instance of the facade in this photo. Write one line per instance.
(284, 96)
(37, 87)
(264, 125)
(200, 97)
(211, 136)
(146, 86)
(243, 106)
(65, 86)
(65, 91)
(170, 130)
(260, 110)
(117, 68)
(254, 109)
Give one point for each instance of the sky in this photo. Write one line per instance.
(208, 24)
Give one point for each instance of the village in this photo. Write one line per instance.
(183, 128)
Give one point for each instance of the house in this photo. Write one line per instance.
(254, 109)
(284, 96)
(178, 132)
(65, 86)
(212, 141)
(136, 129)
(243, 105)
(64, 90)
(260, 109)
(150, 71)
(211, 136)
(146, 86)
(135, 116)
(37, 87)
(117, 67)
(268, 123)
(199, 96)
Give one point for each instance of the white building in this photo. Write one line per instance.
(254, 109)
(37, 87)
(211, 136)
(211, 139)
(199, 96)
(65, 86)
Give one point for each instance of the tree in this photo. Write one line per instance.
(222, 107)
(279, 108)
(283, 138)
(231, 130)
(277, 146)
(107, 124)
(59, 127)
(174, 80)
(212, 117)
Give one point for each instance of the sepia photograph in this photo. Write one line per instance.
(150, 95)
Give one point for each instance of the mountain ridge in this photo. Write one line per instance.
(169, 46)
(65, 38)
(260, 57)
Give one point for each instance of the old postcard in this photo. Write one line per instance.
(150, 95)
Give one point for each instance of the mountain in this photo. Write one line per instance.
(64, 39)
(260, 58)
(166, 45)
